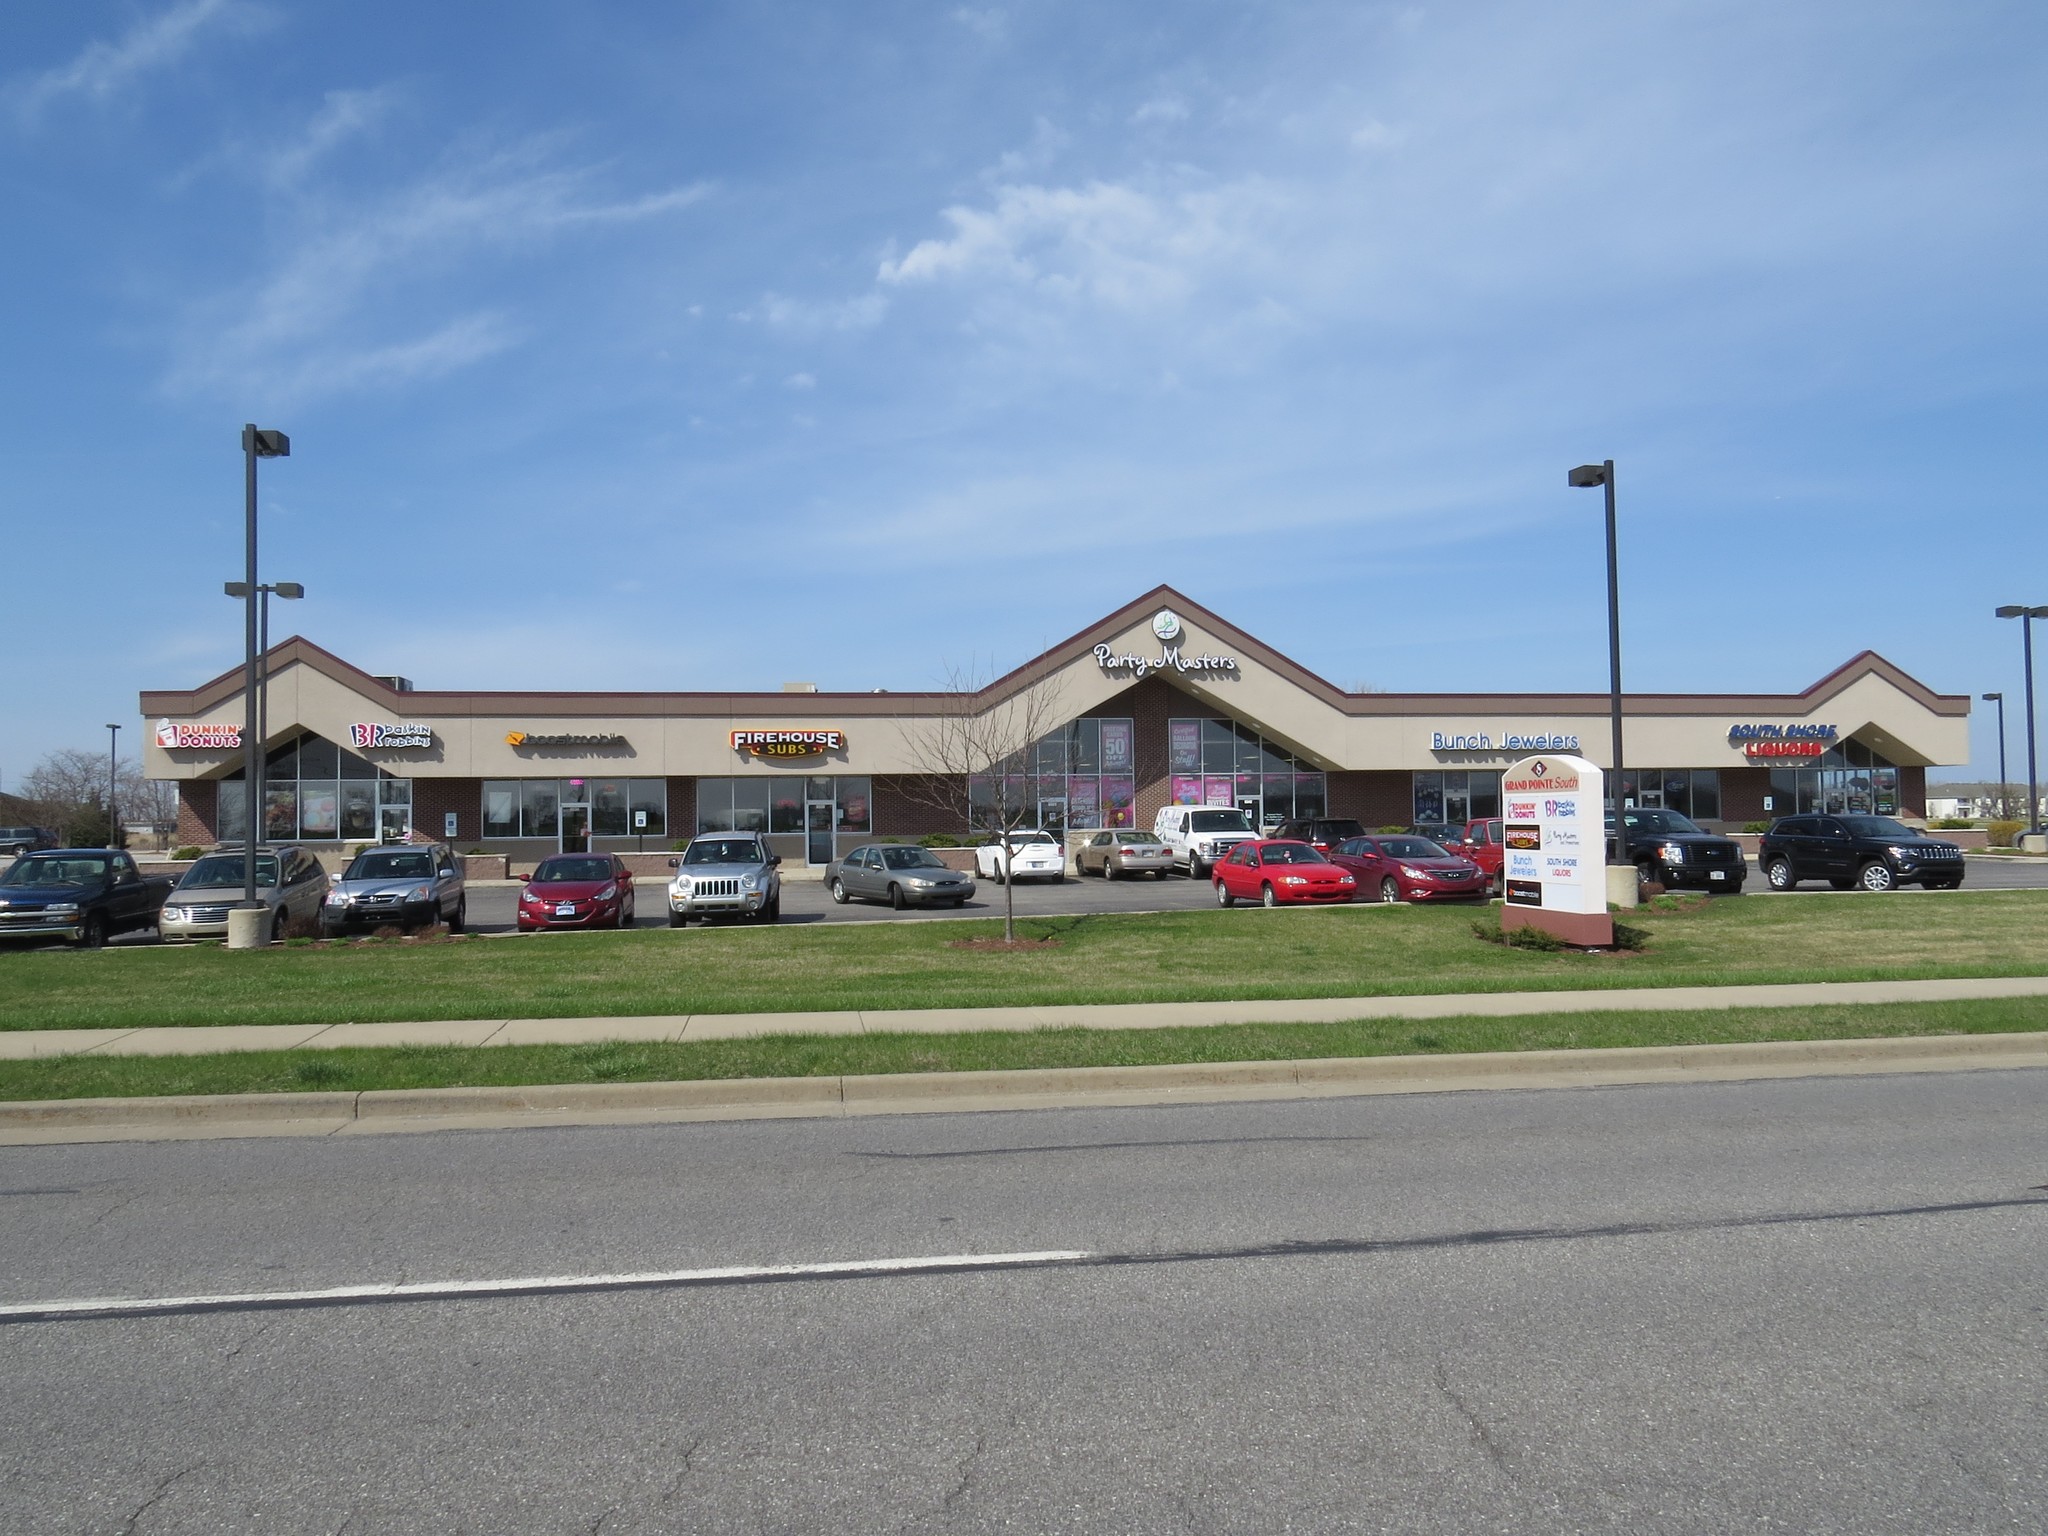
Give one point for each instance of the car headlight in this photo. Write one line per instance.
(1895, 851)
(750, 882)
(61, 908)
(680, 885)
(1672, 853)
(419, 893)
(917, 880)
(337, 898)
(608, 892)
(1346, 880)
(1293, 880)
(175, 914)
(1413, 873)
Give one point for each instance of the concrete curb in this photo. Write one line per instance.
(567, 1104)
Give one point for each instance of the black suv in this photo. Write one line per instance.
(1670, 850)
(1319, 831)
(1874, 852)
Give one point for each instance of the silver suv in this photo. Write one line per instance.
(289, 881)
(406, 885)
(725, 873)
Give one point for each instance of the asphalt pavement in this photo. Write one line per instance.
(1810, 1305)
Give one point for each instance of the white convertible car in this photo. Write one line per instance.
(1033, 856)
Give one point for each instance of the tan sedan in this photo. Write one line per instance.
(1125, 851)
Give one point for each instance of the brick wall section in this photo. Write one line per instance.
(1376, 799)
(682, 809)
(434, 798)
(198, 813)
(1742, 795)
(1913, 792)
(902, 809)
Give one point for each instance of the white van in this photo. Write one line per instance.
(1199, 835)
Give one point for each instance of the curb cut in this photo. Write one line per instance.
(384, 1111)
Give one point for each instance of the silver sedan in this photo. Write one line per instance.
(900, 875)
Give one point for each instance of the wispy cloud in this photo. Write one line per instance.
(103, 68)
(342, 116)
(808, 316)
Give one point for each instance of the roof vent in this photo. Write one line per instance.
(799, 687)
(396, 684)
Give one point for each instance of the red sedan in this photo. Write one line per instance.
(1405, 868)
(1280, 870)
(577, 890)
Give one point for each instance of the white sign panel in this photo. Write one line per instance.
(1554, 818)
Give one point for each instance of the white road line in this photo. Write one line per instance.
(118, 1306)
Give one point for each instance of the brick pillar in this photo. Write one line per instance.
(1375, 799)
(432, 799)
(1742, 796)
(198, 813)
(682, 809)
(1913, 792)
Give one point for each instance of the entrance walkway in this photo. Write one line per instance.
(18, 1045)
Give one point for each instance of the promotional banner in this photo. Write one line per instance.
(1553, 812)
(1116, 746)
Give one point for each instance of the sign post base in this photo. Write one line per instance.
(1582, 930)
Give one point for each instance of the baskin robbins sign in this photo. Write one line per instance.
(366, 735)
(1553, 864)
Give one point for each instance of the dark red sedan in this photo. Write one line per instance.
(1400, 867)
(577, 890)
(1278, 871)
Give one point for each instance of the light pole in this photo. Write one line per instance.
(2026, 616)
(257, 443)
(291, 590)
(1583, 478)
(2004, 799)
(113, 778)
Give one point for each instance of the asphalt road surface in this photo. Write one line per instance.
(1814, 1306)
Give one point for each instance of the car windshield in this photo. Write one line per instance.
(1019, 839)
(45, 871)
(724, 850)
(1657, 821)
(1291, 853)
(563, 871)
(911, 858)
(1876, 826)
(227, 869)
(409, 865)
(1333, 830)
(1135, 839)
(1411, 848)
(1218, 821)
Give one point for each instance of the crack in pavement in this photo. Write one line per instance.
(1476, 1432)
(162, 1488)
(675, 1484)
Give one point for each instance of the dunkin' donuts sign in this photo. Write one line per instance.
(1552, 858)
(204, 737)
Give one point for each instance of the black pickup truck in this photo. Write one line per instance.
(1669, 849)
(86, 895)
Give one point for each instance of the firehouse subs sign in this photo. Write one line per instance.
(788, 743)
(215, 737)
(1767, 740)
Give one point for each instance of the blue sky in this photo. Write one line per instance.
(651, 346)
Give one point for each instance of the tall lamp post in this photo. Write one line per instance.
(285, 589)
(113, 778)
(2004, 798)
(257, 443)
(1584, 478)
(2026, 616)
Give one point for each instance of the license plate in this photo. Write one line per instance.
(1717, 874)
(566, 909)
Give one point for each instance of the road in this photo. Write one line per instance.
(1807, 1305)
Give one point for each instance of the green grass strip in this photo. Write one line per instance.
(835, 1055)
(1173, 957)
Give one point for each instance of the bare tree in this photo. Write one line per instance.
(971, 758)
(68, 791)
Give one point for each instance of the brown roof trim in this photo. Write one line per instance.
(217, 691)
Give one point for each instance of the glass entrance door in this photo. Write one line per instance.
(575, 829)
(817, 833)
(395, 824)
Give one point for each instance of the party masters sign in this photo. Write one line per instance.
(1553, 814)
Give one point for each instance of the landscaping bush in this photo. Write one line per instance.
(2004, 834)
(187, 852)
(942, 840)
(1756, 826)
(1393, 829)
(1952, 823)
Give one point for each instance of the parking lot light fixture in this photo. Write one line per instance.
(1585, 477)
(257, 443)
(2004, 796)
(2026, 616)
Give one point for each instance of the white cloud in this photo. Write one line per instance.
(1161, 109)
(454, 346)
(342, 115)
(1374, 134)
(803, 315)
(102, 68)
(987, 23)
(800, 381)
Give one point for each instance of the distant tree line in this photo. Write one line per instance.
(67, 792)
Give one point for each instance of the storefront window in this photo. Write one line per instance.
(313, 791)
(534, 807)
(648, 801)
(1848, 777)
(1078, 776)
(540, 804)
(760, 804)
(854, 796)
(608, 814)
(1226, 762)
(1455, 796)
(501, 808)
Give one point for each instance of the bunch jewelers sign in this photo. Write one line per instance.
(379, 733)
(1553, 866)
(788, 743)
(214, 737)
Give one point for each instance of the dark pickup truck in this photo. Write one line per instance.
(86, 895)
(1670, 850)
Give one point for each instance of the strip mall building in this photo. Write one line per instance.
(1161, 702)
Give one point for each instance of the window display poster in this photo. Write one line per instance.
(1219, 791)
(1187, 790)
(1084, 805)
(1116, 746)
(1119, 802)
(1184, 746)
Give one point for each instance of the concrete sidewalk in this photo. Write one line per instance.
(20, 1045)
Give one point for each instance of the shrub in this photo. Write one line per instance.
(1393, 829)
(942, 840)
(302, 928)
(1756, 826)
(1626, 937)
(2004, 834)
(1952, 823)
(187, 852)
(1489, 929)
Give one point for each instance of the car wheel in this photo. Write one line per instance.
(677, 920)
(772, 913)
(838, 892)
(1877, 877)
(1158, 874)
(1779, 873)
(1223, 897)
(460, 920)
(92, 933)
(1060, 878)
(1266, 896)
(1197, 870)
(277, 924)
(896, 896)
(1390, 889)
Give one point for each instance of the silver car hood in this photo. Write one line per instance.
(213, 895)
(384, 887)
(720, 871)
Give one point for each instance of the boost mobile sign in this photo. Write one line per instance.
(1553, 812)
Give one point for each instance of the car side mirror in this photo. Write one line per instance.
(774, 859)
(675, 863)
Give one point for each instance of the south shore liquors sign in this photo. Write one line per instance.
(1553, 865)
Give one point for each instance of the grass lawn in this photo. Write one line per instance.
(835, 1055)
(1207, 955)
